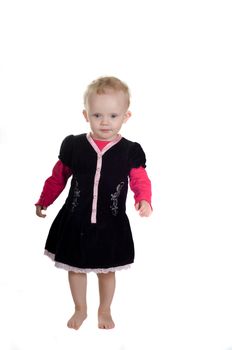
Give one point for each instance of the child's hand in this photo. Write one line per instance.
(39, 212)
(144, 208)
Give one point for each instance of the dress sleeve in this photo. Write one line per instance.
(137, 156)
(55, 184)
(66, 151)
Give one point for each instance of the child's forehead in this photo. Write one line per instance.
(109, 96)
(107, 93)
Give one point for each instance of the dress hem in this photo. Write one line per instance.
(84, 270)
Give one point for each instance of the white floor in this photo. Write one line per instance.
(176, 296)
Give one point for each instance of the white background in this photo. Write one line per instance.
(176, 57)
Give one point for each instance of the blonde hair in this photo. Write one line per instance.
(102, 84)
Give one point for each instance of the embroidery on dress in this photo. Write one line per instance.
(76, 195)
(114, 198)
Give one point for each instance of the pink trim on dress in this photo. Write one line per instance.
(95, 189)
(98, 171)
(78, 270)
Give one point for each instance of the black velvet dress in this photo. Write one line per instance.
(91, 231)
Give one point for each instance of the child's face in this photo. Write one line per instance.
(106, 113)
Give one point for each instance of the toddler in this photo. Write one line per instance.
(91, 232)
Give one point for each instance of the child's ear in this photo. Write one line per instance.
(85, 115)
(127, 116)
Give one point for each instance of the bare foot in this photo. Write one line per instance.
(105, 320)
(77, 319)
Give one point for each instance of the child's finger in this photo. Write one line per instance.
(137, 206)
(141, 210)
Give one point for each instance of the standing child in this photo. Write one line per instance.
(91, 231)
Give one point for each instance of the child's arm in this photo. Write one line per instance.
(140, 184)
(53, 186)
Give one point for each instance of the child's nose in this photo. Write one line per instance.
(105, 120)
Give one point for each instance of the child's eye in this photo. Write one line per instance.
(113, 115)
(96, 115)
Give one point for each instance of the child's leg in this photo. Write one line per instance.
(78, 286)
(106, 293)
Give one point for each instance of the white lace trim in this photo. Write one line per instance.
(76, 269)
